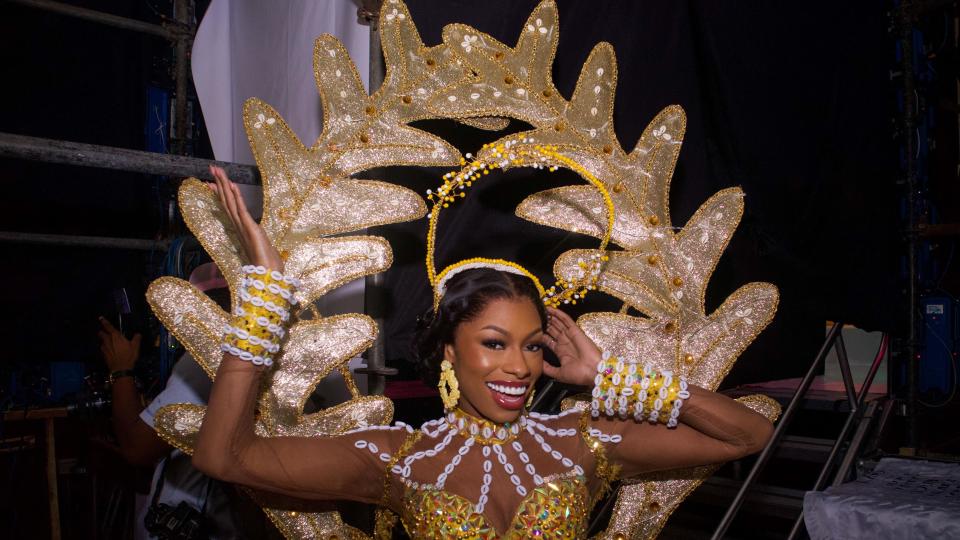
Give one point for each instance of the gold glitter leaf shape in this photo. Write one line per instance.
(326, 263)
(192, 317)
(669, 279)
(631, 279)
(311, 351)
(349, 205)
(515, 80)
(208, 221)
(639, 185)
(178, 424)
(340, 418)
(703, 350)
(305, 192)
(488, 123)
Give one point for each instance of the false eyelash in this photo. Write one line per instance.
(494, 343)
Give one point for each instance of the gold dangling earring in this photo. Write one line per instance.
(530, 399)
(449, 386)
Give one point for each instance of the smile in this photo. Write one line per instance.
(509, 389)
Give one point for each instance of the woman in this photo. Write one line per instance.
(486, 469)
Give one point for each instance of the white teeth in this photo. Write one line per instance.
(508, 390)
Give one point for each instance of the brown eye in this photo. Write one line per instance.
(494, 344)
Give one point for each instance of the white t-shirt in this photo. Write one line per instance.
(188, 383)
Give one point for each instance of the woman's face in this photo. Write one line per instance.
(497, 358)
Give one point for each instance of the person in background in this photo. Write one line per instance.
(175, 480)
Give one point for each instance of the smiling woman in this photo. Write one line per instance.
(489, 326)
(487, 469)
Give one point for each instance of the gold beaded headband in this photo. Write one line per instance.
(515, 152)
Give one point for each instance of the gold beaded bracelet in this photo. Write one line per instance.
(623, 389)
(258, 324)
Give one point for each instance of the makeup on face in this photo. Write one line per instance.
(498, 358)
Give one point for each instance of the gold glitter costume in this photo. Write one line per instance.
(311, 199)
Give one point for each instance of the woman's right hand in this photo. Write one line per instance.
(255, 242)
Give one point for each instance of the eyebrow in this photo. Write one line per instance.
(504, 332)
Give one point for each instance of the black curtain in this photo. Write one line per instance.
(790, 101)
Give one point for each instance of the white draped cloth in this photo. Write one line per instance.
(899, 500)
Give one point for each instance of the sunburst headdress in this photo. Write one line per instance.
(311, 199)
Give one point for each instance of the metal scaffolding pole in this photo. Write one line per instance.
(165, 31)
(68, 240)
(122, 159)
(376, 369)
(906, 20)
(183, 12)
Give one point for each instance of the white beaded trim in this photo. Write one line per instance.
(614, 405)
(277, 276)
(494, 450)
(442, 284)
(270, 346)
(246, 356)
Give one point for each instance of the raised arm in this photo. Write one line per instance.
(712, 427)
(227, 446)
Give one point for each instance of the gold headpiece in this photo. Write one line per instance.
(310, 199)
(515, 152)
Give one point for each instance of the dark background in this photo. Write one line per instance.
(792, 102)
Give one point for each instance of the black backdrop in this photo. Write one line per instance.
(790, 101)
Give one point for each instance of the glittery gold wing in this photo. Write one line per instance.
(515, 82)
(306, 192)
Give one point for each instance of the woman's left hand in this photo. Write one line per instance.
(578, 354)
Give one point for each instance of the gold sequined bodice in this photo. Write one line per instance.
(556, 509)
(462, 477)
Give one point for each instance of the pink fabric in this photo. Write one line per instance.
(207, 277)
